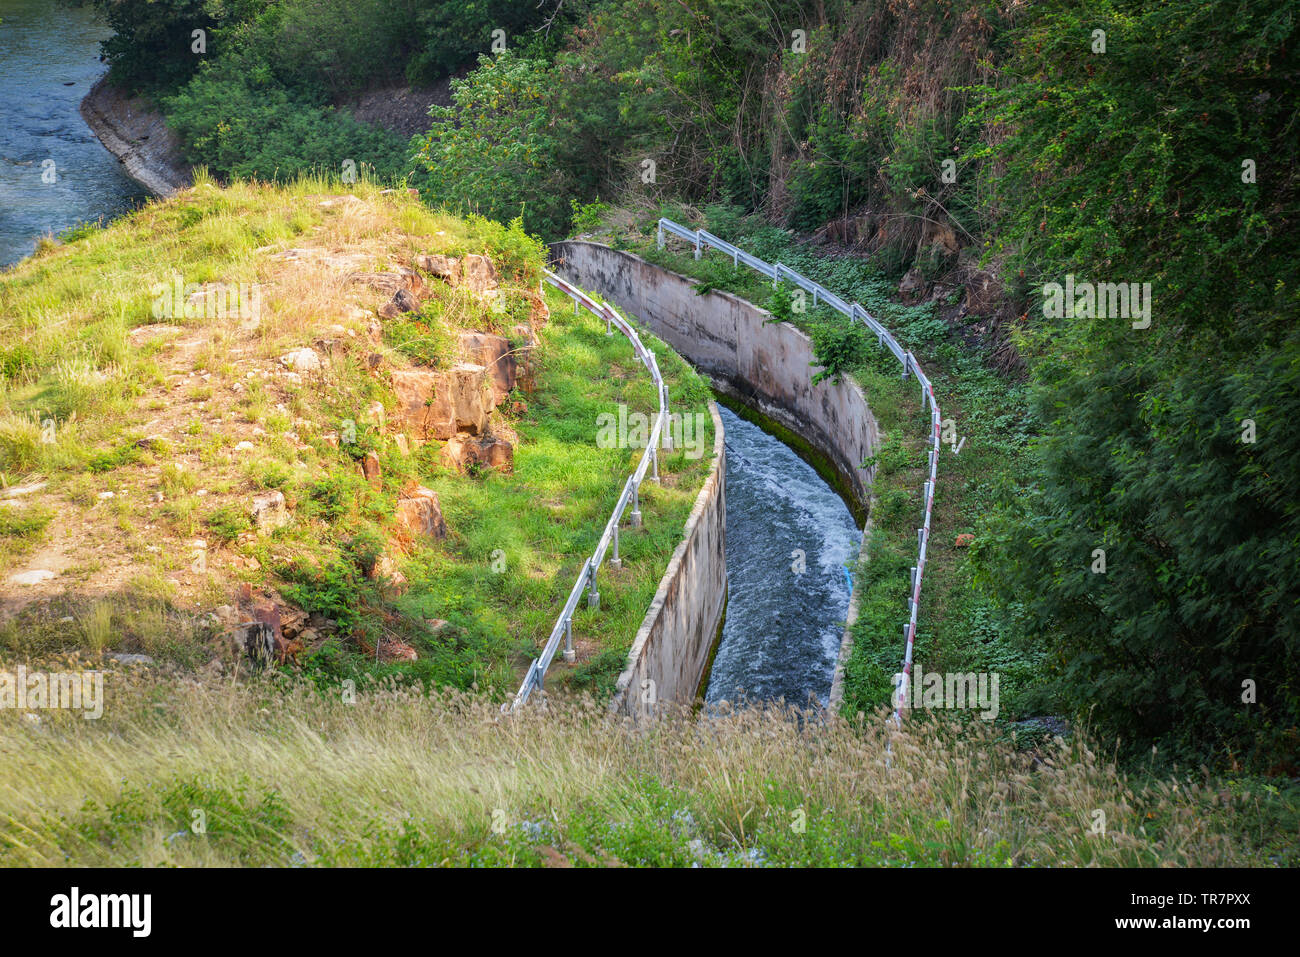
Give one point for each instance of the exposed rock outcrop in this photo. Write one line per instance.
(420, 514)
(468, 453)
(494, 354)
(473, 272)
(371, 471)
(137, 134)
(269, 511)
(454, 405)
(437, 405)
(478, 274)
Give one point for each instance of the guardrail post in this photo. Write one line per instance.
(615, 563)
(697, 244)
(635, 516)
(660, 238)
(920, 537)
(569, 653)
(593, 590)
(913, 578)
(776, 275)
(609, 327)
(735, 260)
(654, 465)
(907, 360)
(575, 305)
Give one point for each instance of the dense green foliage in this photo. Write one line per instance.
(258, 131)
(1167, 447)
(152, 46)
(256, 97)
(493, 153)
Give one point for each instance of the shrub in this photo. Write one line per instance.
(228, 522)
(494, 152)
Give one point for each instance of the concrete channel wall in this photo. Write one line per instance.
(672, 646)
(764, 364)
(767, 365)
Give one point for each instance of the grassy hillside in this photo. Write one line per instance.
(132, 447)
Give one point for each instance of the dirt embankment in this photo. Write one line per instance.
(134, 131)
(403, 110)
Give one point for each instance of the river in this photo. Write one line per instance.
(49, 57)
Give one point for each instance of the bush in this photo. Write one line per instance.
(228, 522)
(455, 34)
(241, 130)
(151, 45)
(494, 152)
(839, 346)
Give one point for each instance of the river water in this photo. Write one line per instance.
(789, 540)
(49, 57)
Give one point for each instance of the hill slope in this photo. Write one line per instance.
(341, 415)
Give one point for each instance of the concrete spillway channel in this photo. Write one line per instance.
(770, 532)
(790, 541)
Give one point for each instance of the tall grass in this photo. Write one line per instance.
(303, 776)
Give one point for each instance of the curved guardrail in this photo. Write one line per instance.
(777, 272)
(609, 538)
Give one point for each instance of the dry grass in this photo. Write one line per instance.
(301, 776)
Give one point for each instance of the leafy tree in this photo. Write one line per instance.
(152, 43)
(495, 151)
(455, 34)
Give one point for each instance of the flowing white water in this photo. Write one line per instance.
(785, 613)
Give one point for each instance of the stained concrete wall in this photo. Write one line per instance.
(767, 365)
(672, 646)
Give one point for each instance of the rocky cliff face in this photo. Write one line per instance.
(134, 131)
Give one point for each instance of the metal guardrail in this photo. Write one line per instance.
(777, 272)
(563, 628)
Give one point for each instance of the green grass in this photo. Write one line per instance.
(22, 528)
(540, 524)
